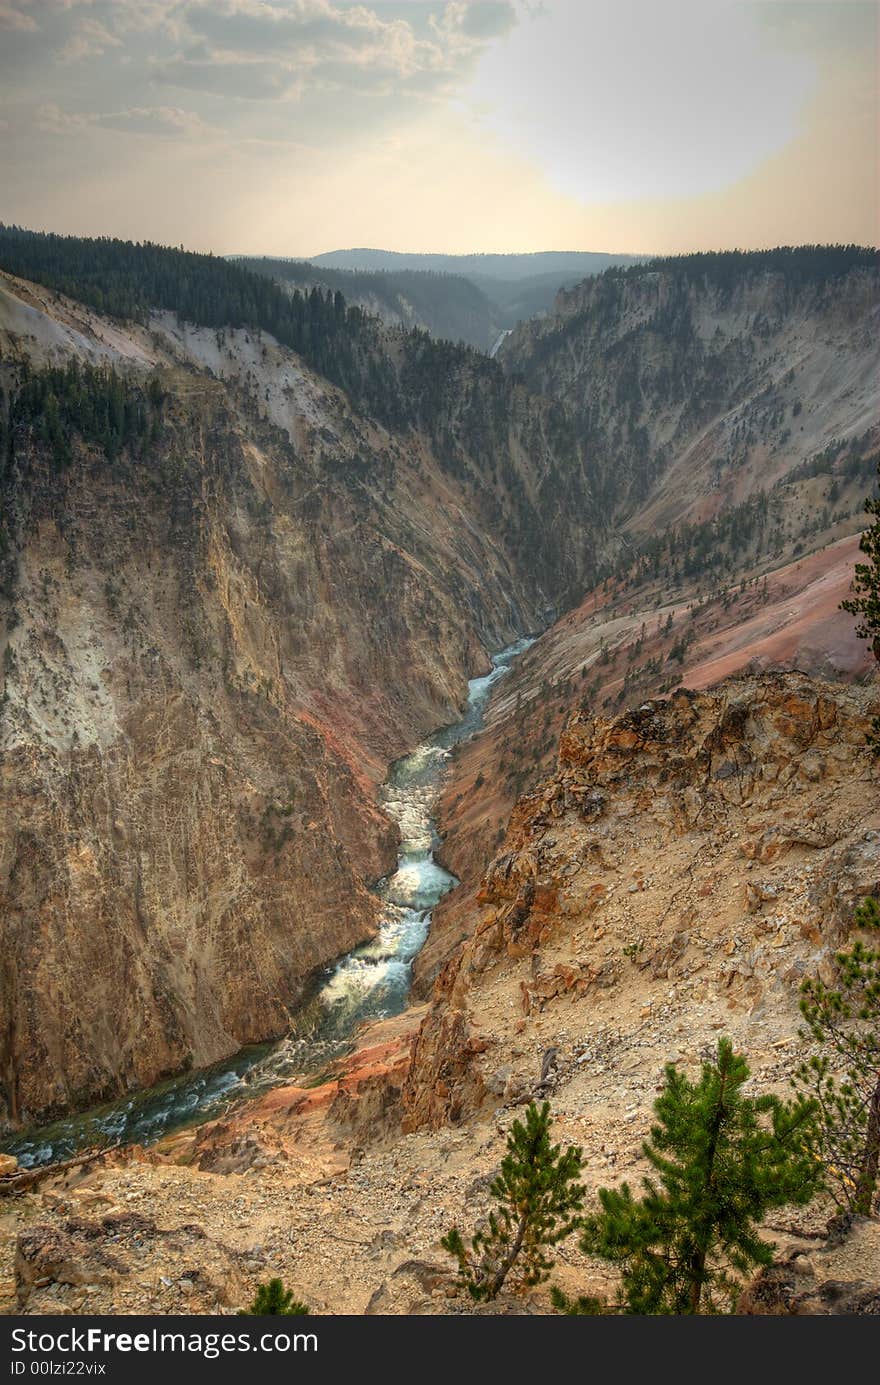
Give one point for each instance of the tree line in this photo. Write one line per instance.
(460, 398)
(54, 404)
(799, 265)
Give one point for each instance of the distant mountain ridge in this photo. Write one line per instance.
(468, 298)
(446, 305)
(490, 265)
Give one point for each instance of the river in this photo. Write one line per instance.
(371, 982)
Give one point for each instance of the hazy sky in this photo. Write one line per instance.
(296, 126)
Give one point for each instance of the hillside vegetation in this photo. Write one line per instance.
(443, 304)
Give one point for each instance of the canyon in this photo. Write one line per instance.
(683, 869)
(214, 643)
(209, 660)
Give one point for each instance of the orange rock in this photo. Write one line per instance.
(622, 738)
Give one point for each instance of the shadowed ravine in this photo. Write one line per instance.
(371, 982)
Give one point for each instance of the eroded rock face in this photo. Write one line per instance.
(122, 1252)
(183, 838)
(682, 382)
(699, 854)
(208, 654)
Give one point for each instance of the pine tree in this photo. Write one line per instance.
(722, 1159)
(273, 1299)
(538, 1199)
(865, 602)
(844, 1019)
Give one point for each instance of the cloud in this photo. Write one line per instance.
(164, 121)
(261, 50)
(228, 76)
(90, 40)
(168, 121)
(350, 70)
(487, 18)
(15, 18)
(52, 120)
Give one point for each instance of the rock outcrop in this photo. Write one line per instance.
(729, 405)
(686, 866)
(83, 1255)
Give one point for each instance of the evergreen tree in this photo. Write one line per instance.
(538, 1199)
(865, 602)
(58, 402)
(723, 1159)
(845, 1021)
(273, 1299)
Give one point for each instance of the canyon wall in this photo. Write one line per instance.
(212, 643)
(729, 406)
(686, 866)
(696, 382)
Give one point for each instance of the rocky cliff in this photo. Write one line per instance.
(729, 404)
(684, 868)
(213, 639)
(622, 644)
(698, 381)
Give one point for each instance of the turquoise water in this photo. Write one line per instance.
(371, 982)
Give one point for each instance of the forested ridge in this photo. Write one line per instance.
(449, 304)
(400, 377)
(129, 280)
(519, 453)
(798, 264)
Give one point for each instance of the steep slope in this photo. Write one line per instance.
(687, 864)
(674, 880)
(624, 643)
(730, 405)
(697, 382)
(445, 305)
(223, 612)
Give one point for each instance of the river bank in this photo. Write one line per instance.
(372, 982)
